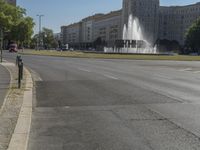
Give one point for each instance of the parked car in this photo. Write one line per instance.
(13, 48)
(71, 49)
(65, 47)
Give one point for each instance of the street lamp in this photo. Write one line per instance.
(39, 35)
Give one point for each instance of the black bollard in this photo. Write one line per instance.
(19, 76)
(17, 59)
(20, 71)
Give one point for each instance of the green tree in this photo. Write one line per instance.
(55, 44)
(193, 37)
(165, 45)
(5, 22)
(10, 15)
(23, 31)
(48, 38)
(6, 19)
(34, 41)
(14, 22)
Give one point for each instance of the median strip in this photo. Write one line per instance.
(82, 54)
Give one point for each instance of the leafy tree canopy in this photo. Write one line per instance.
(193, 37)
(15, 23)
(47, 38)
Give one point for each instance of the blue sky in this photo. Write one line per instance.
(62, 12)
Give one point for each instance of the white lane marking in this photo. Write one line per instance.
(109, 76)
(186, 69)
(196, 71)
(162, 76)
(81, 69)
(66, 107)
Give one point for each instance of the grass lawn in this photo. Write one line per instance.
(110, 56)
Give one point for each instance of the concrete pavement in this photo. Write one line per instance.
(4, 83)
(101, 104)
(20, 136)
(15, 114)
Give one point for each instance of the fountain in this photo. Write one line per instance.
(133, 40)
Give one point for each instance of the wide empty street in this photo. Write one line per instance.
(102, 104)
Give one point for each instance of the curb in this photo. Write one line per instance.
(9, 87)
(20, 137)
(92, 57)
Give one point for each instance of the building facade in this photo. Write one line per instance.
(108, 27)
(174, 21)
(71, 34)
(104, 26)
(161, 22)
(157, 22)
(88, 28)
(147, 12)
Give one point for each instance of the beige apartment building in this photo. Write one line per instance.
(157, 22)
(108, 27)
(71, 34)
(104, 26)
(87, 25)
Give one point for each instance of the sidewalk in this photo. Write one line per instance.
(10, 104)
(4, 83)
(13, 108)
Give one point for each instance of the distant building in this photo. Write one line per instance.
(147, 11)
(13, 2)
(161, 22)
(104, 26)
(108, 27)
(79, 34)
(157, 22)
(71, 34)
(88, 28)
(174, 21)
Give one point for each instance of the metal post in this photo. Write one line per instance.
(17, 60)
(19, 76)
(39, 32)
(1, 43)
(39, 35)
(19, 80)
(20, 70)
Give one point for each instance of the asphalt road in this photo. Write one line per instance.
(97, 104)
(4, 83)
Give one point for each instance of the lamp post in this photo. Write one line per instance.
(1, 44)
(39, 35)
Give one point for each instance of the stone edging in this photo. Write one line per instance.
(19, 140)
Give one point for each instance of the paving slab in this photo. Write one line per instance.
(4, 83)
